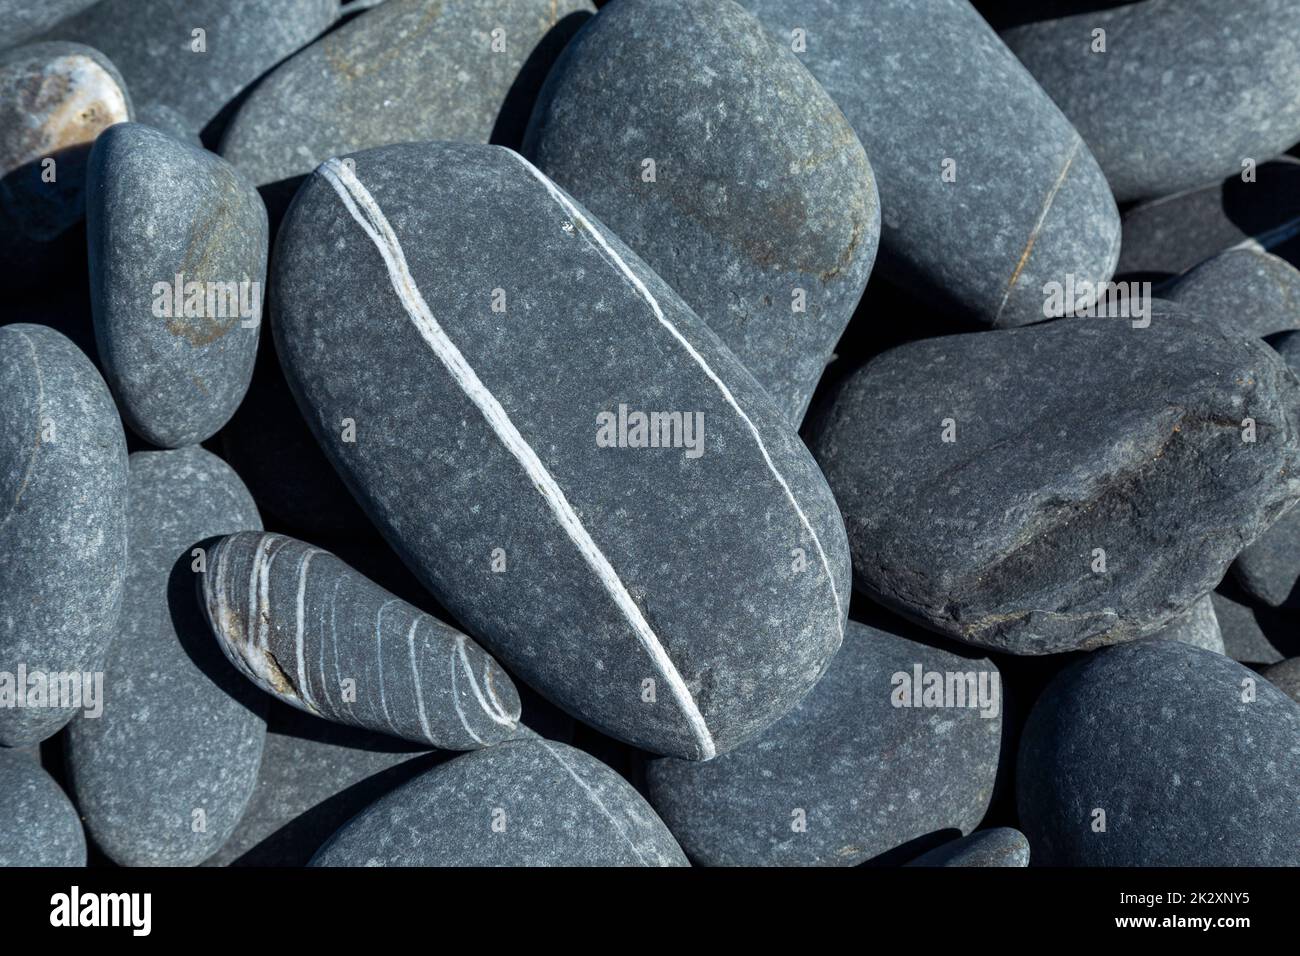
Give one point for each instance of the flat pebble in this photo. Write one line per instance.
(1000, 846)
(1196, 626)
(1245, 289)
(1285, 676)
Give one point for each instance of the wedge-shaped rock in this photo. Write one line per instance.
(474, 351)
(1064, 487)
(714, 154)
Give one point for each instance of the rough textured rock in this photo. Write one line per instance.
(178, 247)
(520, 803)
(21, 19)
(154, 45)
(1157, 736)
(1245, 289)
(1252, 635)
(63, 528)
(321, 637)
(1196, 626)
(762, 213)
(1001, 846)
(55, 98)
(164, 775)
(1046, 523)
(38, 824)
(404, 71)
(1184, 90)
(927, 83)
(510, 420)
(850, 773)
(1285, 676)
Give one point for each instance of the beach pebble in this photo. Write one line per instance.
(515, 475)
(1252, 634)
(520, 803)
(178, 247)
(1001, 846)
(1019, 490)
(21, 19)
(871, 759)
(38, 823)
(1247, 289)
(1196, 626)
(63, 529)
(713, 153)
(1285, 676)
(163, 776)
(1160, 754)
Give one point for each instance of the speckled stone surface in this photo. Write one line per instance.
(1285, 676)
(163, 776)
(158, 209)
(1251, 635)
(1183, 92)
(1000, 846)
(63, 523)
(164, 118)
(927, 82)
(1197, 626)
(153, 43)
(21, 19)
(760, 188)
(1158, 737)
(1168, 236)
(677, 598)
(1080, 435)
(1248, 290)
(55, 98)
(315, 776)
(306, 628)
(38, 823)
(403, 71)
(849, 773)
(520, 803)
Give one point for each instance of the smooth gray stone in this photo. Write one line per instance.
(1166, 237)
(1196, 626)
(315, 776)
(38, 823)
(164, 118)
(307, 629)
(163, 776)
(677, 603)
(1185, 90)
(1188, 766)
(160, 209)
(1247, 289)
(1285, 676)
(407, 70)
(520, 803)
(1078, 435)
(761, 186)
(1001, 846)
(55, 98)
(1250, 634)
(862, 773)
(63, 531)
(153, 43)
(22, 19)
(927, 81)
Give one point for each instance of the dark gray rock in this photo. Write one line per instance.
(1252, 635)
(710, 579)
(55, 98)
(21, 19)
(178, 246)
(306, 628)
(315, 776)
(855, 770)
(164, 118)
(1196, 626)
(163, 776)
(404, 71)
(1184, 756)
(923, 83)
(1001, 846)
(1285, 676)
(154, 44)
(1166, 237)
(1097, 483)
(63, 531)
(520, 803)
(1183, 92)
(763, 212)
(38, 823)
(1245, 289)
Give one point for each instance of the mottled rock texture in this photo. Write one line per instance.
(1244, 289)
(21, 19)
(1001, 846)
(1285, 676)
(38, 823)
(1197, 626)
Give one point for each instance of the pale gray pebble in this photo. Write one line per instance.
(1000, 846)
(312, 632)
(1247, 290)
(1196, 626)
(1285, 676)
(164, 775)
(22, 19)
(174, 229)
(519, 803)
(63, 551)
(762, 214)
(854, 771)
(38, 823)
(672, 656)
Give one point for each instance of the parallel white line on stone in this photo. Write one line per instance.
(40, 415)
(299, 638)
(379, 657)
(634, 280)
(376, 226)
(496, 716)
(492, 694)
(415, 678)
(334, 685)
(596, 800)
(455, 700)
